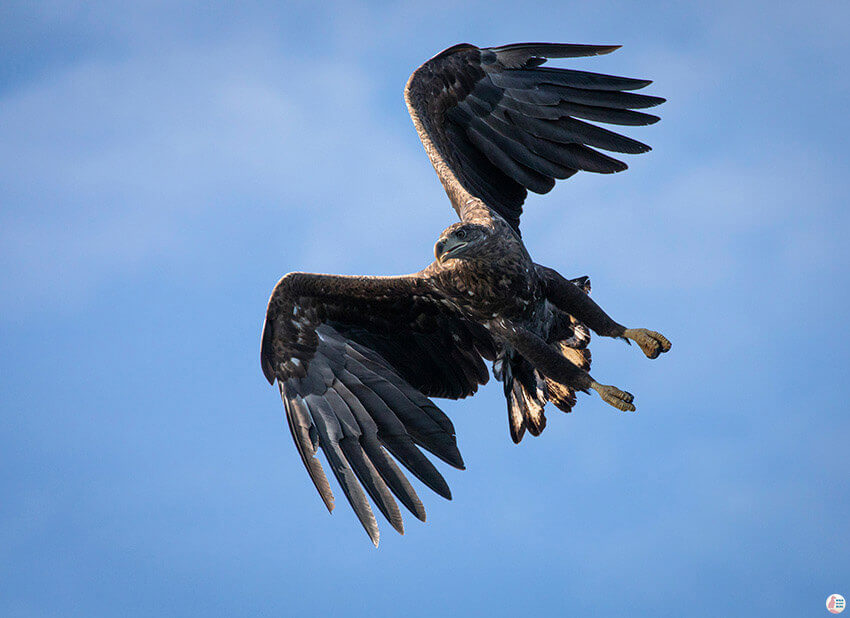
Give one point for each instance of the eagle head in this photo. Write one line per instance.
(461, 241)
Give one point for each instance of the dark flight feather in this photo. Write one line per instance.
(482, 113)
(346, 352)
(385, 466)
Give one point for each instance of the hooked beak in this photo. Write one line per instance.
(447, 248)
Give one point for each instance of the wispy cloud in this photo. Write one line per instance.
(147, 149)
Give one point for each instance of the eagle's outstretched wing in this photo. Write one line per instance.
(496, 124)
(356, 359)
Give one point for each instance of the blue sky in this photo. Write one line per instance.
(162, 164)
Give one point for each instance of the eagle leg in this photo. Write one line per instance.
(569, 298)
(553, 365)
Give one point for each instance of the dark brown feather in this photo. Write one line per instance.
(356, 358)
(487, 118)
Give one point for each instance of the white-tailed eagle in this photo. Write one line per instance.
(357, 359)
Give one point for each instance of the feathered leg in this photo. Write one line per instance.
(550, 363)
(571, 299)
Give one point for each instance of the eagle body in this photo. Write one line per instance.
(358, 359)
(499, 280)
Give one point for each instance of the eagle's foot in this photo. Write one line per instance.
(615, 397)
(653, 344)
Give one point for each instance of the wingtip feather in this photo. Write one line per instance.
(606, 49)
(266, 355)
(268, 372)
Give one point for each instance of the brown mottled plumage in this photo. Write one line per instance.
(357, 358)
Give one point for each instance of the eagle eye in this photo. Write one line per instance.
(461, 234)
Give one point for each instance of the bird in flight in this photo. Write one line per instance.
(357, 359)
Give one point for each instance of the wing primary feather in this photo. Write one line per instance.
(598, 137)
(537, 96)
(483, 139)
(537, 154)
(520, 146)
(571, 155)
(530, 78)
(521, 105)
(368, 359)
(330, 435)
(590, 160)
(420, 426)
(372, 481)
(385, 466)
(604, 98)
(571, 131)
(532, 180)
(394, 479)
(404, 449)
(299, 423)
(392, 434)
(517, 102)
(355, 454)
(603, 114)
(551, 50)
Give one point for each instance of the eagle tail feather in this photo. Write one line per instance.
(527, 391)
